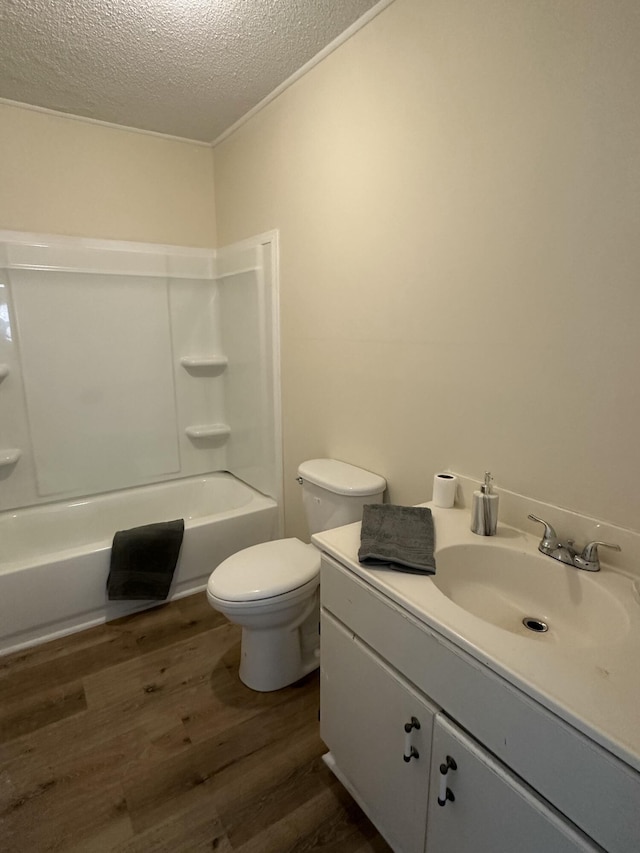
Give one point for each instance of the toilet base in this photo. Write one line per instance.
(273, 658)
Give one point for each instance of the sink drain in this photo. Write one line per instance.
(536, 625)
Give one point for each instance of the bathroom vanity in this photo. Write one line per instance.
(464, 731)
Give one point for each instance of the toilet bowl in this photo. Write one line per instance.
(272, 590)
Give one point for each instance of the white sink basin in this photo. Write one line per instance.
(504, 586)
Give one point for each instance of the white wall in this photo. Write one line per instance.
(60, 175)
(457, 193)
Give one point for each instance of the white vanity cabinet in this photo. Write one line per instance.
(379, 669)
(372, 721)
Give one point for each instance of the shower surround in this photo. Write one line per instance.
(124, 367)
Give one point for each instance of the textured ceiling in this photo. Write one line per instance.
(189, 68)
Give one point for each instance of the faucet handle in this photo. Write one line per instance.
(589, 560)
(549, 540)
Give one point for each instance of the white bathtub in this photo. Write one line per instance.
(54, 559)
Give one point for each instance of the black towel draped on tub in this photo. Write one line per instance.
(398, 537)
(143, 561)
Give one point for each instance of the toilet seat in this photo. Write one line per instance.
(282, 569)
(273, 604)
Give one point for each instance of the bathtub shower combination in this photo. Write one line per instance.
(138, 384)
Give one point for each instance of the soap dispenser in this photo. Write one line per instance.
(484, 512)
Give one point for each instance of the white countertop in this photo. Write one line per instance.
(594, 687)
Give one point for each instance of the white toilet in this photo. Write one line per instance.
(272, 589)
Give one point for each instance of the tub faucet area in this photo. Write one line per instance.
(588, 560)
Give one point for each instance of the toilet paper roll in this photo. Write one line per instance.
(444, 490)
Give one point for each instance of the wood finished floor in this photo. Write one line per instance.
(138, 736)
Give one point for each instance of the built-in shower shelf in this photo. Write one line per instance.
(208, 431)
(4, 371)
(204, 362)
(9, 457)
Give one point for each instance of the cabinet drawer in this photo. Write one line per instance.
(599, 793)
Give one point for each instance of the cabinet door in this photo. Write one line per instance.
(492, 811)
(364, 706)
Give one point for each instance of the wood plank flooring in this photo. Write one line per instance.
(138, 736)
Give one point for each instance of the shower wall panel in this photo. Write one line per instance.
(246, 299)
(97, 371)
(123, 364)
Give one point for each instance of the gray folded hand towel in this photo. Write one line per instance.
(143, 560)
(398, 537)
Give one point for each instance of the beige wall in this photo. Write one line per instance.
(63, 176)
(456, 190)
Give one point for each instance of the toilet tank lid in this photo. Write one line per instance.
(341, 478)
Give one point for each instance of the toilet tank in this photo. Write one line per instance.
(333, 493)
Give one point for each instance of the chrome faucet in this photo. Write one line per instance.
(551, 546)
